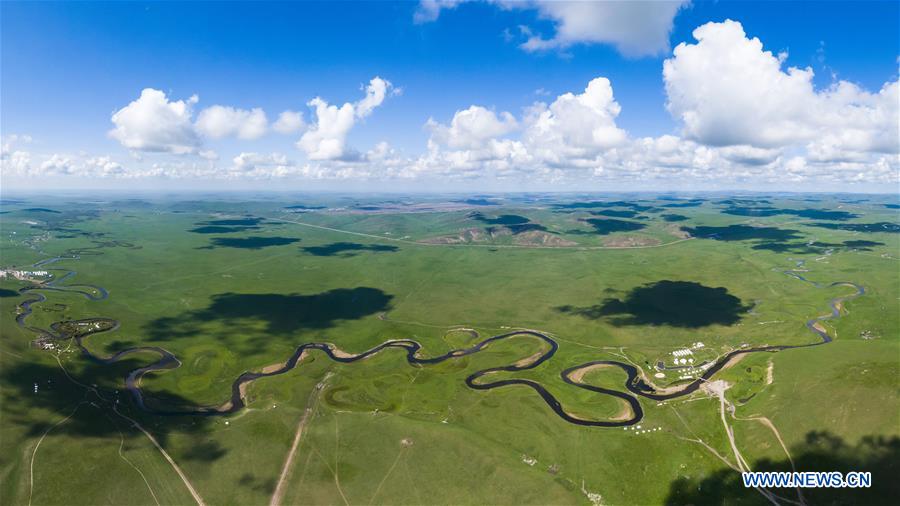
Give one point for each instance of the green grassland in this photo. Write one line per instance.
(231, 284)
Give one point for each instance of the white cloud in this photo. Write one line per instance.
(222, 121)
(104, 166)
(250, 160)
(572, 132)
(326, 139)
(376, 91)
(575, 126)
(382, 153)
(208, 154)
(13, 160)
(728, 91)
(471, 128)
(260, 166)
(430, 10)
(9, 142)
(575, 138)
(745, 121)
(635, 28)
(154, 123)
(15, 163)
(289, 122)
(57, 165)
(71, 165)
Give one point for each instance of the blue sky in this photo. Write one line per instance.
(68, 67)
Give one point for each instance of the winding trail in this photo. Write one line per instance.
(310, 410)
(634, 385)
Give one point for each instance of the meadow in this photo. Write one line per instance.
(235, 283)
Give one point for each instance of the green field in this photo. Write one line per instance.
(229, 284)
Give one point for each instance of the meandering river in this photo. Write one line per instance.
(634, 386)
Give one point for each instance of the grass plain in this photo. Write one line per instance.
(230, 284)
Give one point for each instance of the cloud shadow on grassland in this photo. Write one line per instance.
(219, 229)
(819, 452)
(743, 233)
(503, 219)
(818, 214)
(58, 395)
(514, 223)
(816, 248)
(234, 318)
(348, 249)
(882, 226)
(615, 213)
(253, 243)
(674, 303)
(235, 222)
(608, 226)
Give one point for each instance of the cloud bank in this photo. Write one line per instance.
(743, 120)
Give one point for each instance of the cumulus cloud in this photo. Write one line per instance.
(154, 123)
(326, 139)
(288, 122)
(744, 119)
(104, 166)
(575, 126)
(376, 91)
(59, 164)
(8, 143)
(261, 166)
(14, 160)
(572, 131)
(728, 91)
(635, 28)
(471, 128)
(222, 121)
